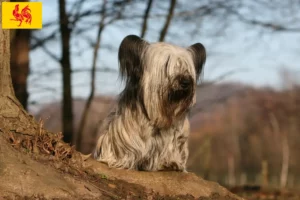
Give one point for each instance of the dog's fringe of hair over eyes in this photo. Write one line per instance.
(149, 127)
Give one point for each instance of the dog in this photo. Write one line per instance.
(148, 129)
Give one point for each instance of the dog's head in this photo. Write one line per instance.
(160, 77)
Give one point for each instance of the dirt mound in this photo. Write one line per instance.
(41, 166)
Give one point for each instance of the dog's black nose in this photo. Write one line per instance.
(185, 82)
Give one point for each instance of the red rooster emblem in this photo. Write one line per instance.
(25, 14)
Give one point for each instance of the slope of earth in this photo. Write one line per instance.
(43, 167)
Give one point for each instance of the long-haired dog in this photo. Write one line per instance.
(149, 128)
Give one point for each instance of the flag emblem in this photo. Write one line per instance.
(22, 15)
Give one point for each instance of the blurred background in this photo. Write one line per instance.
(246, 122)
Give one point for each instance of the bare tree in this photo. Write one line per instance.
(65, 62)
(231, 170)
(165, 28)
(19, 62)
(12, 114)
(93, 77)
(6, 88)
(285, 161)
(288, 24)
(70, 26)
(145, 18)
(285, 150)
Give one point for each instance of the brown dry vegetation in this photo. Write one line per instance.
(248, 128)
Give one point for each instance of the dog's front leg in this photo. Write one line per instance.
(184, 153)
(183, 143)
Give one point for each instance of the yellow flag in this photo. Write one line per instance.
(22, 15)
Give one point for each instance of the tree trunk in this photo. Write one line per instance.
(265, 173)
(164, 31)
(67, 107)
(285, 151)
(231, 170)
(12, 114)
(285, 161)
(19, 62)
(6, 88)
(145, 18)
(93, 79)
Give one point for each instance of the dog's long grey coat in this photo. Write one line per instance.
(149, 128)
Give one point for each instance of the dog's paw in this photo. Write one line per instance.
(172, 166)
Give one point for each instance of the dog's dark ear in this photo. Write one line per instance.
(199, 57)
(130, 57)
